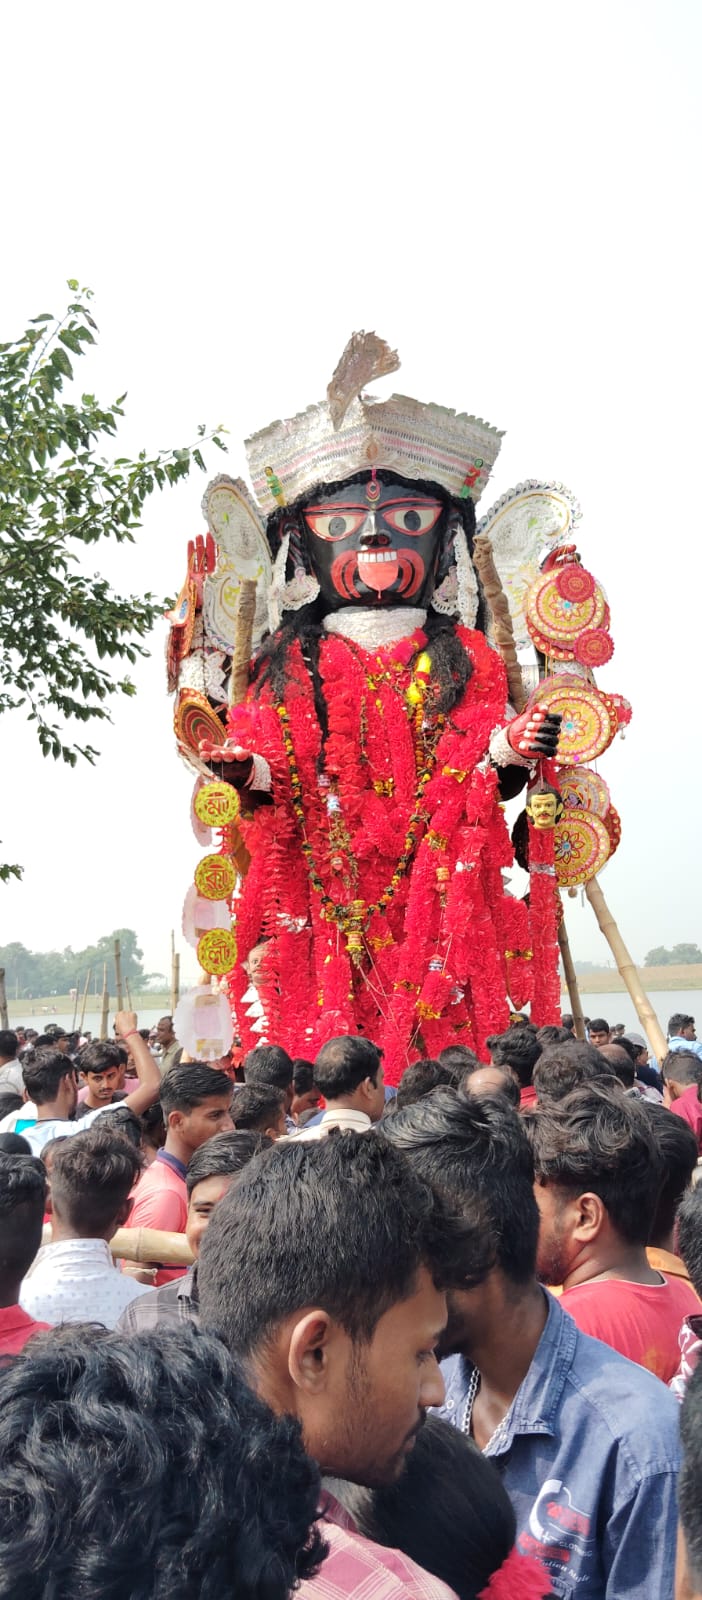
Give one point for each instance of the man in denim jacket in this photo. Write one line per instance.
(586, 1441)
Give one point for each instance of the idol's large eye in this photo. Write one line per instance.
(411, 517)
(335, 524)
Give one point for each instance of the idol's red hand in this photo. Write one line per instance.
(534, 734)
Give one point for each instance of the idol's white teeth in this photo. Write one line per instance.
(377, 555)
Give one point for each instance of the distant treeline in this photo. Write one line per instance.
(32, 972)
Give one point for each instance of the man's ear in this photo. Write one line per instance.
(309, 1350)
(590, 1215)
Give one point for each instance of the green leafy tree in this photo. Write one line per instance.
(660, 957)
(685, 955)
(58, 494)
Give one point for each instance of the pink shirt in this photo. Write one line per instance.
(160, 1201)
(358, 1569)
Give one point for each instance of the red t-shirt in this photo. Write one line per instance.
(641, 1320)
(688, 1107)
(16, 1328)
(160, 1201)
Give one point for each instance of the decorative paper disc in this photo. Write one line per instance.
(217, 804)
(200, 915)
(216, 951)
(613, 824)
(574, 582)
(581, 847)
(594, 647)
(584, 790)
(215, 877)
(202, 834)
(588, 726)
(623, 709)
(194, 720)
(560, 621)
(528, 518)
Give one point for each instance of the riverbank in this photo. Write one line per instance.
(654, 979)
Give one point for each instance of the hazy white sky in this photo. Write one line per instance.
(509, 194)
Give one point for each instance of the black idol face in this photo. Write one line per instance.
(375, 543)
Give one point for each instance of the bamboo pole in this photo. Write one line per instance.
(499, 607)
(118, 975)
(144, 1244)
(85, 1001)
(3, 1000)
(571, 980)
(129, 997)
(243, 641)
(75, 1011)
(105, 1003)
(627, 969)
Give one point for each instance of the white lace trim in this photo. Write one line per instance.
(371, 629)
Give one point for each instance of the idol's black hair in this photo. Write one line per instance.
(450, 665)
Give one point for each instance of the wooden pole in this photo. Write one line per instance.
(499, 607)
(175, 974)
(75, 1011)
(627, 969)
(571, 980)
(85, 1001)
(129, 998)
(105, 1003)
(3, 1000)
(118, 975)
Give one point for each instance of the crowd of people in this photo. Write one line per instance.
(279, 1328)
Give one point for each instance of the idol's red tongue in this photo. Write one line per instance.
(379, 570)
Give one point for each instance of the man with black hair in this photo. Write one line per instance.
(458, 1059)
(102, 1065)
(269, 1064)
(519, 1050)
(586, 1442)
(689, 1238)
(50, 1079)
(566, 1065)
(419, 1079)
(621, 1065)
(349, 1074)
(170, 1050)
(688, 1569)
(260, 1108)
(74, 1278)
(148, 1468)
(10, 1066)
(552, 1034)
(598, 1175)
(196, 1103)
(599, 1032)
(677, 1147)
(22, 1197)
(323, 1270)
(305, 1096)
(211, 1172)
(682, 1075)
(682, 1034)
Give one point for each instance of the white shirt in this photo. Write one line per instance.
(76, 1280)
(345, 1118)
(11, 1079)
(53, 1128)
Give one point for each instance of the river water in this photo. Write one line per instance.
(613, 1007)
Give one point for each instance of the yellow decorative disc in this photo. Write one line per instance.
(581, 846)
(588, 726)
(216, 951)
(215, 877)
(217, 804)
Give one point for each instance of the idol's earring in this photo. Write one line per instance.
(301, 588)
(457, 593)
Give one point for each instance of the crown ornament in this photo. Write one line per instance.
(352, 431)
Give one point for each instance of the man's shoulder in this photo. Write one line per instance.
(156, 1307)
(625, 1400)
(355, 1566)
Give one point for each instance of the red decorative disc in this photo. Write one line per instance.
(623, 709)
(561, 621)
(584, 790)
(593, 648)
(574, 582)
(194, 720)
(613, 824)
